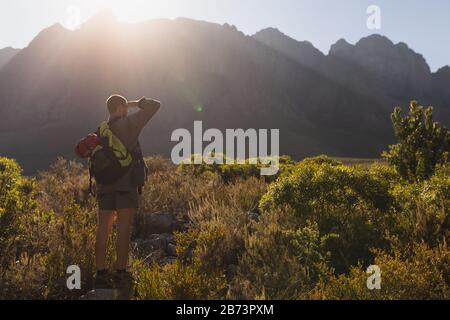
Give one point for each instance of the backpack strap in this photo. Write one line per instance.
(91, 189)
(120, 150)
(91, 176)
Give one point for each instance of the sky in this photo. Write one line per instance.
(423, 25)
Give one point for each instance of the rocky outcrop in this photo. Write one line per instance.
(400, 69)
(157, 248)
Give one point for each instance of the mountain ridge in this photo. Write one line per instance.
(54, 90)
(6, 54)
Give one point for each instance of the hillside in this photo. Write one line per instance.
(53, 92)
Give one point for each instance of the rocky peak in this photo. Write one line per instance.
(444, 71)
(403, 71)
(300, 51)
(340, 46)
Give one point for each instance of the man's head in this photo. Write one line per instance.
(117, 106)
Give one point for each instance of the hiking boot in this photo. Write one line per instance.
(124, 282)
(102, 280)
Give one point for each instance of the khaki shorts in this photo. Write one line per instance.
(118, 200)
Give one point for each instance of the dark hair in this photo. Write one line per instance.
(114, 102)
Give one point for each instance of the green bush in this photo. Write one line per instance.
(281, 260)
(49, 244)
(16, 200)
(423, 144)
(422, 210)
(62, 184)
(230, 171)
(150, 283)
(347, 203)
(48, 230)
(195, 274)
(419, 273)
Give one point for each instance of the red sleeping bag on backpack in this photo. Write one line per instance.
(85, 147)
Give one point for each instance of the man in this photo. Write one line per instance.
(121, 196)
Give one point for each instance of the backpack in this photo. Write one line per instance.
(110, 160)
(86, 145)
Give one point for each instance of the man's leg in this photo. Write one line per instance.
(124, 225)
(105, 224)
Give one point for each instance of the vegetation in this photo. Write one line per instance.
(309, 233)
(423, 144)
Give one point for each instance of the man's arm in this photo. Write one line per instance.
(148, 107)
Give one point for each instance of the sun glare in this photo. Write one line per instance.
(134, 10)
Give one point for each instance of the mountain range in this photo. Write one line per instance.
(53, 91)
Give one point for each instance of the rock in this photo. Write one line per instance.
(171, 250)
(161, 223)
(253, 216)
(170, 238)
(156, 242)
(101, 294)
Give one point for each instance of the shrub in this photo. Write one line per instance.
(16, 199)
(150, 283)
(49, 244)
(420, 273)
(423, 144)
(281, 260)
(214, 241)
(226, 213)
(195, 274)
(52, 232)
(422, 210)
(189, 281)
(348, 203)
(65, 182)
(230, 171)
(307, 234)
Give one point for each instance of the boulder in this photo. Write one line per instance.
(153, 243)
(161, 223)
(169, 237)
(254, 216)
(171, 250)
(157, 241)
